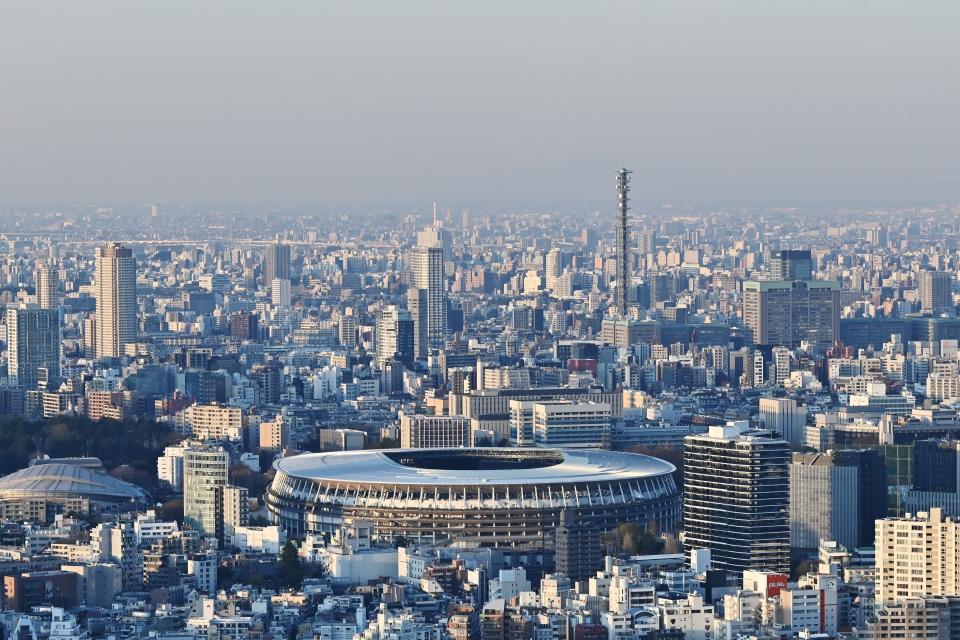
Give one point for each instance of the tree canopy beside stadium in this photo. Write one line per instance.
(135, 444)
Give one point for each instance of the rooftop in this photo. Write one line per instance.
(61, 478)
(494, 466)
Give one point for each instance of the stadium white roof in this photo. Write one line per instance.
(59, 479)
(382, 467)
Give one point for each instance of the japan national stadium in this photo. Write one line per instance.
(489, 497)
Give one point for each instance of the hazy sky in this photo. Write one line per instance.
(539, 102)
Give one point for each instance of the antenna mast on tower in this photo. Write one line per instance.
(623, 241)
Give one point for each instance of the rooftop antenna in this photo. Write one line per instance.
(623, 240)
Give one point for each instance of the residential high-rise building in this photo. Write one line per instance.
(33, 343)
(280, 292)
(736, 497)
(276, 263)
(932, 618)
(646, 241)
(917, 556)
(836, 496)
(170, 466)
(116, 293)
(426, 274)
(46, 280)
(275, 434)
(553, 267)
(579, 550)
(395, 335)
(88, 330)
(942, 385)
(243, 325)
(936, 291)
(623, 274)
(759, 369)
(781, 365)
(268, 379)
(214, 422)
(417, 306)
(878, 236)
(234, 511)
(463, 622)
(564, 286)
(205, 472)
(347, 329)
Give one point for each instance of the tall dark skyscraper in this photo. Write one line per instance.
(276, 264)
(623, 241)
(936, 465)
(836, 495)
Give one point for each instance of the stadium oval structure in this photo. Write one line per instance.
(494, 497)
(39, 492)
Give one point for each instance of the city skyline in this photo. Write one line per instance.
(462, 321)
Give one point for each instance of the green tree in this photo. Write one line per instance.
(384, 443)
(635, 540)
(266, 460)
(243, 476)
(290, 570)
(135, 443)
(172, 510)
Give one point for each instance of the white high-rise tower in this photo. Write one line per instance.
(47, 283)
(428, 297)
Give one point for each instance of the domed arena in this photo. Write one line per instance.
(40, 492)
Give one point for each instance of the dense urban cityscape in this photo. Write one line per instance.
(431, 320)
(453, 424)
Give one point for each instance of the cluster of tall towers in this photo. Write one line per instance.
(33, 334)
(409, 334)
(33, 330)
